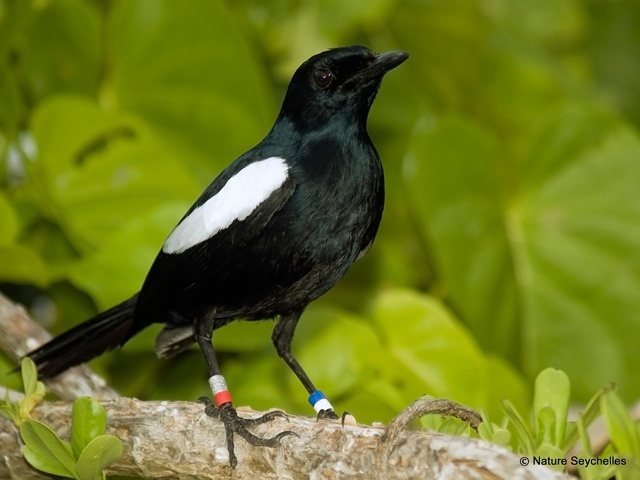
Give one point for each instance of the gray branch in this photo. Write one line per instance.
(20, 335)
(176, 440)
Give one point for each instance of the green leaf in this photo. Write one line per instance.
(457, 427)
(588, 415)
(29, 376)
(33, 389)
(545, 426)
(576, 227)
(491, 432)
(101, 452)
(49, 242)
(538, 250)
(431, 421)
(614, 28)
(355, 351)
(501, 436)
(89, 420)
(116, 269)
(526, 441)
(14, 22)
(428, 351)
(45, 451)
(21, 265)
(452, 35)
(452, 172)
(98, 171)
(547, 450)
(62, 48)
(9, 409)
(8, 220)
(622, 429)
(189, 96)
(244, 336)
(583, 435)
(551, 405)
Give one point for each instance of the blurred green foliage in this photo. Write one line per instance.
(511, 235)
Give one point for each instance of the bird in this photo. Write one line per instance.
(275, 230)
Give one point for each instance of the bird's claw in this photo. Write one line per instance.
(327, 414)
(228, 415)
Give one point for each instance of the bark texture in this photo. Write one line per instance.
(176, 440)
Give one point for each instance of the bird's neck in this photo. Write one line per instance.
(287, 130)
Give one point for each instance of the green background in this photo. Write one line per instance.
(511, 235)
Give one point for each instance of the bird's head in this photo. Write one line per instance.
(338, 82)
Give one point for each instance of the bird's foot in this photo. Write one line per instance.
(327, 414)
(228, 415)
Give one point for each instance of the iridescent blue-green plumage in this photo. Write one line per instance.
(296, 244)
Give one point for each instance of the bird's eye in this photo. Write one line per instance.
(322, 77)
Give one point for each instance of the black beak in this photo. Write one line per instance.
(388, 61)
(382, 63)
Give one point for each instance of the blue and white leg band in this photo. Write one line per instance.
(319, 402)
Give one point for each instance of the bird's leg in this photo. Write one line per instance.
(223, 409)
(282, 337)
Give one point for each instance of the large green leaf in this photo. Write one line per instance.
(546, 268)
(453, 175)
(612, 49)
(428, 352)
(8, 220)
(341, 352)
(21, 265)
(116, 270)
(577, 248)
(62, 48)
(18, 263)
(98, 171)
(186, 69)
(449, 53)
(14, 17)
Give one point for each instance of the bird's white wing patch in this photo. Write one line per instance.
(235, 201)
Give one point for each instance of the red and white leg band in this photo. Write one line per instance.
(220, 391)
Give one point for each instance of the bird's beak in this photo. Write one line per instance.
(379, 67)
(388, 61)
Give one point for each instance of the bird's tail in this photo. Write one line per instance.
(107, 330)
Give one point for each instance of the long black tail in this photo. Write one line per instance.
(107, 330)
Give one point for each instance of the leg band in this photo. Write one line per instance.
(319, 402)
(220, 391)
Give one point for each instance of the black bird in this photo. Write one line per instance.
(274, 231)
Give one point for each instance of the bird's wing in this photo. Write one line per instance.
(223, 226)
(232, 200)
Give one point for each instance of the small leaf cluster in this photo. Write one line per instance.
(551, 435)
(19, 411)
(85, 457)
(90, 450)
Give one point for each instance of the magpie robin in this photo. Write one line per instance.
(274, 231)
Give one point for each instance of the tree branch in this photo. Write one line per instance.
(176, 440)
(20, 335)
(172, 440)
